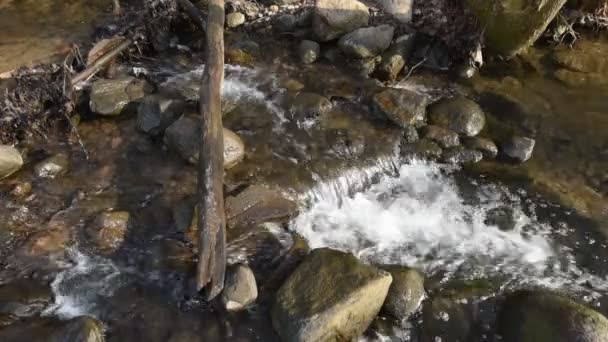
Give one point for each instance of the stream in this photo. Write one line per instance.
(344, 170)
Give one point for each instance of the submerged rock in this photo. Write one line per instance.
(406, 292)
(502, 217)
(460, 155)
(333, 18)
(536, 316)
(110, 97)
(410, 135)
(424, 149)
(109, 229)
(513, 25)
(331, 296)
(52, 167)
(309, 51)
(24, 298)
(309, 105)
(401, 106)
(156, 112)
(10, 160)
(240, 289)
(183, 137)
(367, 42)
(235, 19)
(256, 205)
(458, 114)
(81, 329)
(444, 137)
(486, 146)
(519, 148)
(44, 242)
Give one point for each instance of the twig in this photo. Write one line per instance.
(414, 67)
(101, 62)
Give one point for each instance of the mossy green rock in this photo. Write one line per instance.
(535, 316)
(513, 25)
(331, 296)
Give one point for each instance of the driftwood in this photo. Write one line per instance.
(101, 62)
(211, 216)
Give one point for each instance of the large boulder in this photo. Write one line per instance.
(401, 106)
(536, 316)
(367, 42)
(406, 292)
(333, 18)
(10, 160)
(331, 296)
(458, 114)
(513, 25)
(110, 97)
(183, 137)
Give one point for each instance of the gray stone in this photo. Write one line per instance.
(110, 97)
(538, 316)
(24, 298)
(306, 105)
(235, 19)
(81, 329)
(519, 148)
(240, 289)
(444, 137)
(285, 23)
(402, 10)
(410, 135)
(367, 42)
(502, 217)
(183, 137)
(406, 292)
(513, 25)
(424, 149)
(108, 230)
(156, 112)
(458, 114)
(486, 146)
(331, 296)
(366, 66)
(52, 167)
(334, 18)
(401, 106)
(309, 51)
(460, 155)
(395, 58)
(10, 160)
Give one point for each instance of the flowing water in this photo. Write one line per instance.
(354, 191)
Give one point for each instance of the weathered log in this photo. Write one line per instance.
(211, 216)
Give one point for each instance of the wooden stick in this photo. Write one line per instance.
(116, 5)
(211, 217)
(101, 62)
(193, 13)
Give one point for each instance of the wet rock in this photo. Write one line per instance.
(37, 329)
(81, 329)
(366, 66)
(187, 87)
(344, 143)
(406, 292)
(24, 298)
(333, 54)
(486, 146)
(466, 71)
(10, 160)
(285, 23)
(401, 106)
(460, 155)
(445, 138)
(21, 189)
(462, 312)
(367, 42)
(330, 296)
(110, 97)
(257, 204)
(395, 58)
(518, 148)
(502, 217)
(402, 10)
(108, 230)
(292, 85)
(156, 112)
(410, 135)
(542, 317)
(309, 51)
(579, 79)
(458, 114)
(333, 18)
(424, 149)
(309, 105)
(44, 242)
(240, 289)
(513, 25)
(235, 19)
(52, 167)
(183, 137)
(583, 58)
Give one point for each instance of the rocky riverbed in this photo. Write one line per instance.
(378, 188)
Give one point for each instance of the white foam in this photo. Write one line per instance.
(419, 219)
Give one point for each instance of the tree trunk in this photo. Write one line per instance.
(211, 217)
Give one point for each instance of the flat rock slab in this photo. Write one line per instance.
(10, 160)
(331, 296)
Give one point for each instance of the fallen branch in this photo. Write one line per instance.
(193, 13)
(211, 217)
(101, 62)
